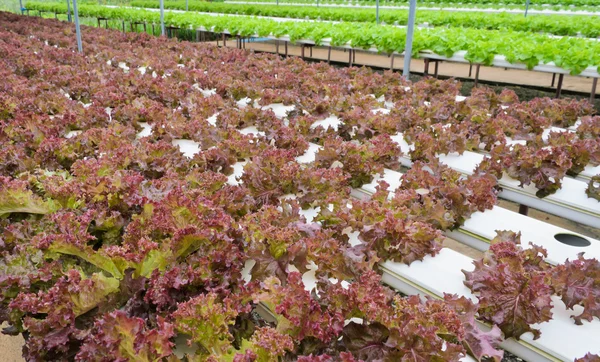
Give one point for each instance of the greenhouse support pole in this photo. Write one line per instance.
(21, 6)
(69, 10)
(377, 12)
(527, 7)
(409, 38)
(77, 28)
(162, 17)
(186, 5)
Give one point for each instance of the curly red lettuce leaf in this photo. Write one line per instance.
(577, 282)
(271, 175)
(402, 241)
(15, 197)
(480, 344)
(589, 357)
(511, 285)
(361, 161)
(593, 189)
(117, 336)
(207, 320)
(542, 167)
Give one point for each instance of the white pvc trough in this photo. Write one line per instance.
(561, 339)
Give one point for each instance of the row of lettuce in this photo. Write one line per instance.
(588, 26)
(481, 46)
(484, 4)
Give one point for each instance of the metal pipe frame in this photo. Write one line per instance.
(412, 12)
(77, 27)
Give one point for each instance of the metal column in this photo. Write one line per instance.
(593, 92)
(21, 6)
(559, 85)
(69, 10)
(409, 38)
(162, 17)
(77, 28)
(186, 5)
(527, 7)
(377, 12)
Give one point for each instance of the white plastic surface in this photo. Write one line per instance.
(251, 131)
(279, 109)
(146, 131)
(72, 134)
(309, 155)
(329, 122)
(188, 147)
(485, 224)
(442, 274)
(238, 170)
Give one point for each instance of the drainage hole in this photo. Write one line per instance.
(572, 240)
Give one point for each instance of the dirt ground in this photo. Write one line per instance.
(10, 347)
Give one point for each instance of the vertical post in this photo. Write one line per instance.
(559, 85)
(523, 209)
(186, 5)
(162, 17)
(377, 12)
(409, 38)
(593, 92)
(477, 75)
(69, 10)
(21, 6)
(527, 7)
(77, 28)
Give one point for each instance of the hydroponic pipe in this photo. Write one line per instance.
(412, 12)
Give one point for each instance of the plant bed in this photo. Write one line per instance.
(143, 178)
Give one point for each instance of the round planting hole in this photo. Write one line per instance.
(572, 240)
